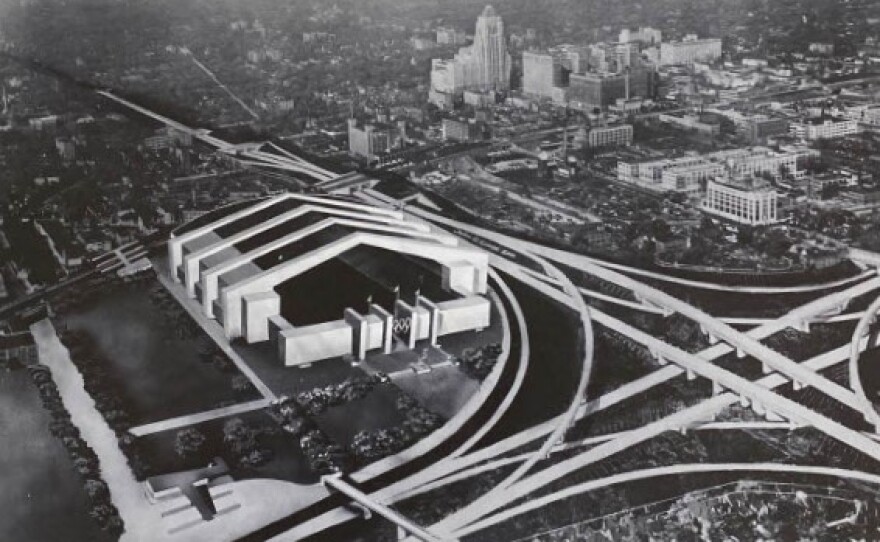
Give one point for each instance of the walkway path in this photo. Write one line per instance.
(200, 417)
(126, 492)
(263, 501)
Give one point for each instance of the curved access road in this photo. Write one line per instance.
(855, 379)
(664, 374)
(477, 417)
(755, 393)
(740, 341)
(566, 420)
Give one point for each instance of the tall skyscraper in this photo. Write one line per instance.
(482, 66)
(490, 56)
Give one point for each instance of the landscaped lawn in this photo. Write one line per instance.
(42, 497)
(287, 463)
(444, 391)
(163, 375)
(375, 411)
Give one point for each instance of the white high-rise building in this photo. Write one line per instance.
(490, 56)
(484, 65)
(752, 202)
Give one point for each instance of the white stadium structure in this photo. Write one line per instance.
(323, 277)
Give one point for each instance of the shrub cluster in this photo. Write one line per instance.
(84, 459)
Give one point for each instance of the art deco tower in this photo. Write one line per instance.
(491, 61)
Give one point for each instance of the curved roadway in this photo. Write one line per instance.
(721, 377)
(331, 511)
(855, 379)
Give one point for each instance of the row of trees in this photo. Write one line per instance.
(84, 459)
(318, 400)
(240, 443)
(323, 454)
(419, 422)
(297, 417)
(103, 386)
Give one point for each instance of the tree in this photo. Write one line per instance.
(776, 244)
(84, 467)
(189, 443)
(96, 489)
(745, 235)
(660, 230)
(678, 197)
(102, 513)
(115, 526)
(239, 437)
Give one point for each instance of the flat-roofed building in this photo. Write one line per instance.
(449, 36)
(610, 136)
(644, 35)
(760, 127)
(688, 173)
(325, 276)
(815, 128)
(371, 140)
(865, 114)
(750, 201)
(458, 130)
(690, 50)
(446, 76)
(542, 72)
(699, 123)
(602, 89)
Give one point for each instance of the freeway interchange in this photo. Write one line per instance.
(536, 267)
(483, 439)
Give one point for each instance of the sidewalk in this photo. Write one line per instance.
(126, 492)
(198, 417)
